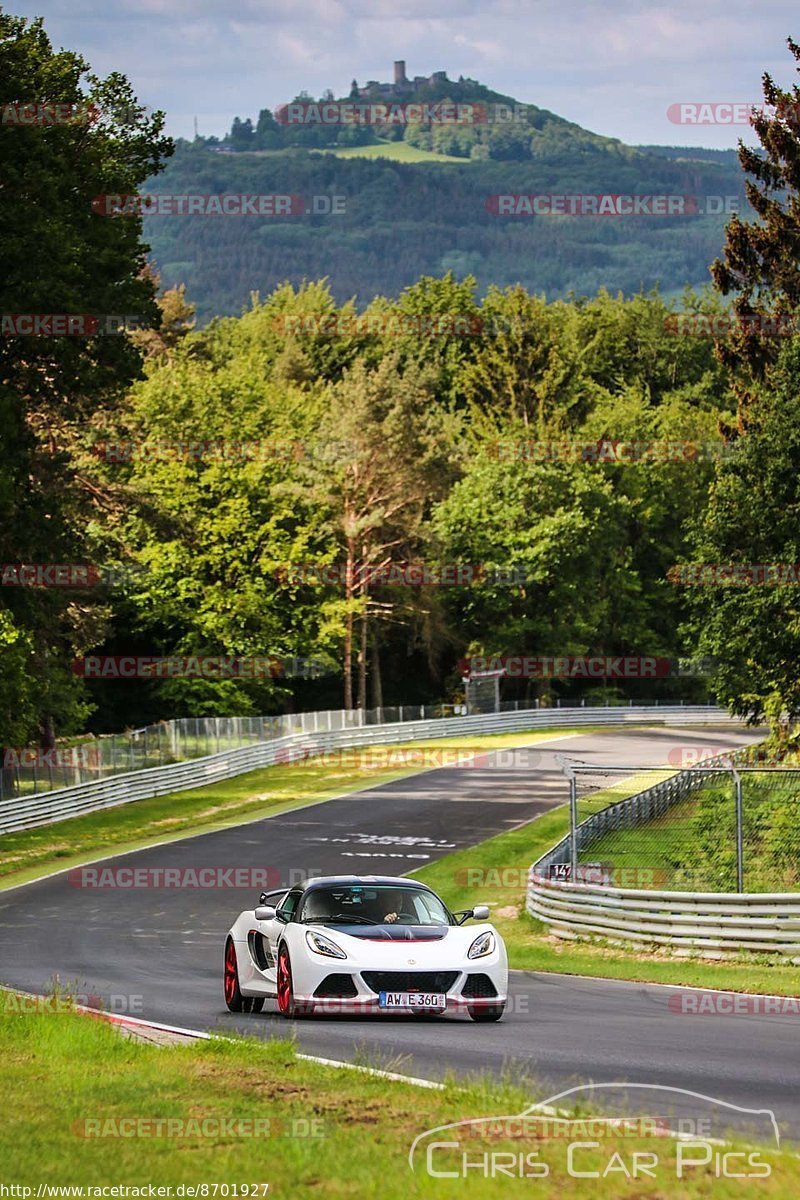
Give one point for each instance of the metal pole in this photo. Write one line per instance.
(573, 823)
(739, 831)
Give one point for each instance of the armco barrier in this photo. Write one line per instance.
(25, 812)
(711, 923)
(707, 923)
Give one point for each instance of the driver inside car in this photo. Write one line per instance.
(396, 909)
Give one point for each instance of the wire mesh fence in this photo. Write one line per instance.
(30, 772)
(718, 827)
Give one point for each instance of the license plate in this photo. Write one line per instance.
(412, 1000)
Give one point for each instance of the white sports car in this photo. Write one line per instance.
(359, 944)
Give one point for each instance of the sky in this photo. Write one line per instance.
(613, 67)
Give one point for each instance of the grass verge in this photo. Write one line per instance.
(33, 852)
(495, 872)
(397, 152)
(83, 1106)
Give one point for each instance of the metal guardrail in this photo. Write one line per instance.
(88, 759)
(25, 812)
(715, 923)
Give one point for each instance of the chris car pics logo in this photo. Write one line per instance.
(656, 1135)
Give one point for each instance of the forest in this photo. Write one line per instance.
(388, 485)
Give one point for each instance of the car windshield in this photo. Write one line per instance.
(356, 904)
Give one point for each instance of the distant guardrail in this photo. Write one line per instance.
(28, 811)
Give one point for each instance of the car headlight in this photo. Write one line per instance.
(323, 945)
(483, 944)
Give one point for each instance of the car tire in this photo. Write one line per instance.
(287, 1005)
(234, 999)
(492, 1012)
(230, 980)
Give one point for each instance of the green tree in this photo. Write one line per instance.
(385, 470)
(753, 519)
(59, 255)
(551, 538)
(759, 264)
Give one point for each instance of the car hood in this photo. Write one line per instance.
(391, 933)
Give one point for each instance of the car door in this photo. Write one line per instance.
(285, 902)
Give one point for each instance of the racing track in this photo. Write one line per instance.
(163, 948)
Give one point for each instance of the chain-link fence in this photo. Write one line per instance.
(717, 827)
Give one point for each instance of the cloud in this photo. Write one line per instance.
(613, 68)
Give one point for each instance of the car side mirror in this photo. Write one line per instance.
(480, 912)
(265, 912)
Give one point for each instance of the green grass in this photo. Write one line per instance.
(33, 852)
(397, 152)
(71, 1085)
(495, 872)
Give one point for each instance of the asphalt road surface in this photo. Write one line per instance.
(157, 952)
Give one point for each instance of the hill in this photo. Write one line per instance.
(416, 198)
(402, 220)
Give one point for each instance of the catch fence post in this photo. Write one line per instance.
(739, 831)
(573, 821)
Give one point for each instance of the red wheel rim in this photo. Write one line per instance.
(231, 981)
(284, 982)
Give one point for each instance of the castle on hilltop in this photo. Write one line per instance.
(402, 86)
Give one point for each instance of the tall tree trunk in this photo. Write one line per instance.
(47, 734)
(6, 773)
(348, 631)
(362, 659)
(348, 662)
(376, 679)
